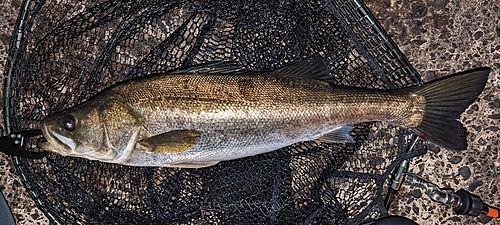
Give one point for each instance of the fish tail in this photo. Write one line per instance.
(445, 100)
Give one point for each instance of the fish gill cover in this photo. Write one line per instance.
(64, 52)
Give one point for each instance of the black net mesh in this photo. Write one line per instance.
(64, 52)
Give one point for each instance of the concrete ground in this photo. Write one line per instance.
(439, 37)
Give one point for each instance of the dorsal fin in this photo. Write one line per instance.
(213, 68)
(313, 68)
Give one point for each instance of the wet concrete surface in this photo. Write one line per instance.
(439, 38)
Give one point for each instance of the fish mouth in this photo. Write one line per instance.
(56, 142)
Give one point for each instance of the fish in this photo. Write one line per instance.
(199, 116)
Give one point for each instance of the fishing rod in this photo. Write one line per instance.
(462, 202)
(399, 175)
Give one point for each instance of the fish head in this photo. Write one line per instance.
(76, 132)
(101, 129)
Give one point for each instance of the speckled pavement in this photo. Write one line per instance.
(439, 38)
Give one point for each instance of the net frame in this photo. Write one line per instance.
(370, 59)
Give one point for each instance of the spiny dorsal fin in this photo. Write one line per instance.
(171, 142)
(313, 68)
(213, 68)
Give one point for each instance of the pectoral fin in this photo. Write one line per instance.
(194, 164)
(338, 135)
(171, 142)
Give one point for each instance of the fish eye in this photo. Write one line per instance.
(69, 122)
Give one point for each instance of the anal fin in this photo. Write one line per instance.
(338, 135)
(171, 142)
(194, 164)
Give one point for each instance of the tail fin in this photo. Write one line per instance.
(446, 99)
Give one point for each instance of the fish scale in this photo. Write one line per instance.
(237, 124)
(198, 119)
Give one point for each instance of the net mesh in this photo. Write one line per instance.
(64, 52)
